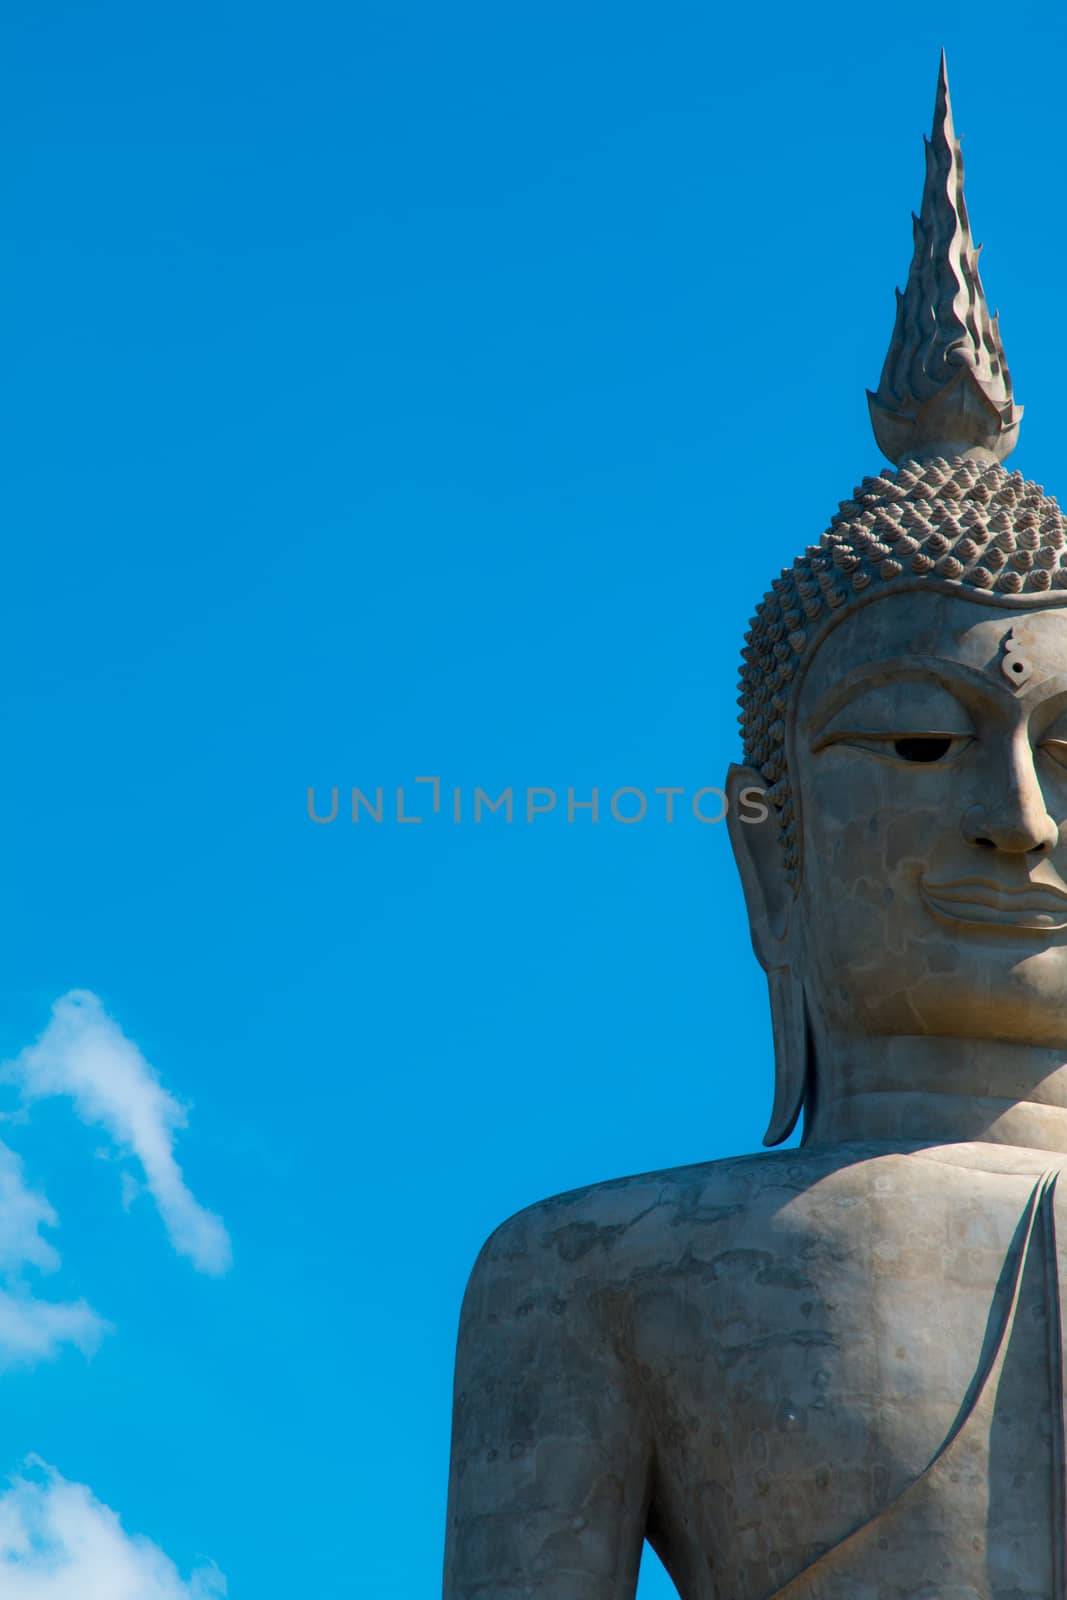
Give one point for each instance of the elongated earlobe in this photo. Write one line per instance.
(789, 1021)
(769, 898)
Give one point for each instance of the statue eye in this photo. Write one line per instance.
(923, 747)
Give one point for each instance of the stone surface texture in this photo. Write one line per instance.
(837, 1372)
(945, 386)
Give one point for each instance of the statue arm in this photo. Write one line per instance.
(551, 1449)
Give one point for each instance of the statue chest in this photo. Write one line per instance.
(866, 1395)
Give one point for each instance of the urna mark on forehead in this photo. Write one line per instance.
(946, 638)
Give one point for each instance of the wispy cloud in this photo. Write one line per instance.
(57, 1542)
(22, 1215)
(32, 1329)
(83, 1054)
(36, 1330)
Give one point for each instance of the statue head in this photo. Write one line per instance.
(904, 704)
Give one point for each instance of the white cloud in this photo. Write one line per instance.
(33, 1329)
(22, 1214)
(58, 1542)
(84, 1054)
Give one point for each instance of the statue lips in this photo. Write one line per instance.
(1040, 907)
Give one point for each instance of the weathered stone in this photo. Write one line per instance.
(836, 1373)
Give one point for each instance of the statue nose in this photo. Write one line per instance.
(1019, 828)
(1012, 816)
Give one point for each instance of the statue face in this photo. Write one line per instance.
(929, 755)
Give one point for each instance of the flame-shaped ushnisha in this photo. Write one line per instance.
(945, 388)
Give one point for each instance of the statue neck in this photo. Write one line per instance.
(941, 1091)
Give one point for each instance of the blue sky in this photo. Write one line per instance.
(400, 390)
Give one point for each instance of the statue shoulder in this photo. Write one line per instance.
(587, 1239)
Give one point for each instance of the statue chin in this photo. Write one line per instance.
(987, 988)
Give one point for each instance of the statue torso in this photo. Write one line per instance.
(852, 1361)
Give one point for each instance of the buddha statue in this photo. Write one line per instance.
(836, 1371)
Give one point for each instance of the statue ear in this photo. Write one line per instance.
(753, 825)
(769, 897)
